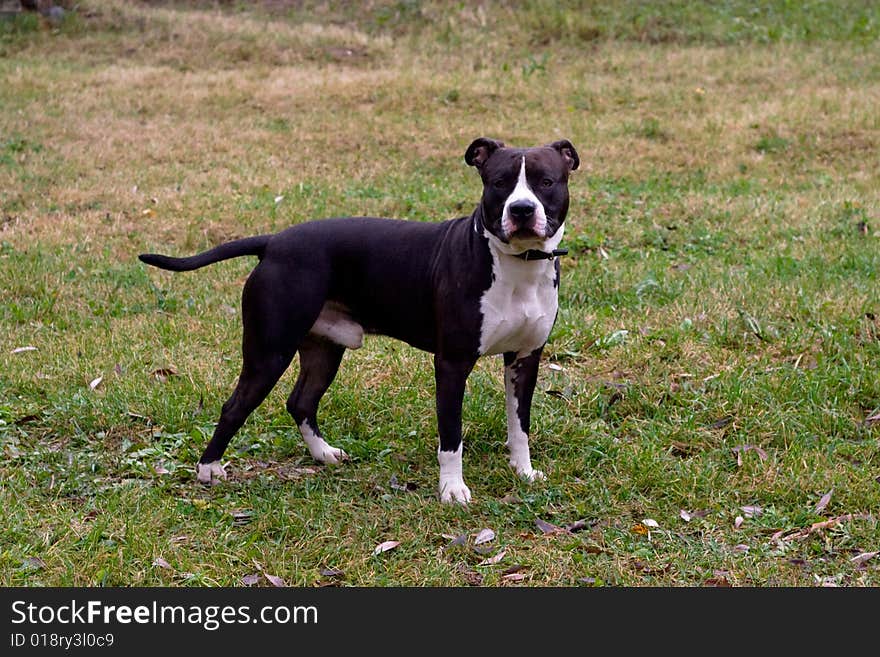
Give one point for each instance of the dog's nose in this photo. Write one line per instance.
(521, 211)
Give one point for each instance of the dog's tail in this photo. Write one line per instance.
(249, 246)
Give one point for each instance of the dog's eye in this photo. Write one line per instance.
(498, 183)
(547, 182)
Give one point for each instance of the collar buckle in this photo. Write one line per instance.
(536, 254)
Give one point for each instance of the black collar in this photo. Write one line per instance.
(535, 254)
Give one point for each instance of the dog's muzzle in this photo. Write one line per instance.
(523, 221)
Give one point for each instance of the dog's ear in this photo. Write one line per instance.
(569, 154)
(480, 150)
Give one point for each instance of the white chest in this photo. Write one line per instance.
(520, 306)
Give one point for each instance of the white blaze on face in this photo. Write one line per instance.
(522, 192)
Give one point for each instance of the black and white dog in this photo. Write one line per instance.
(460, 289)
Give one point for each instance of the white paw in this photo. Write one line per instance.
(531, 475)
(210, 473)
(454, 491)
(328, 455)
(320, 450)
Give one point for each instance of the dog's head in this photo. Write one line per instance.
(525, 190)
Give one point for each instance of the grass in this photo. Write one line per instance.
(716, 347)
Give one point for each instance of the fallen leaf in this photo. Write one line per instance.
(94, 383)
(472, 577)
(295, 472)
(720, 424)
(250, 580)
(34, 562)
(163, 373)
(21, 350)
(639, 529)
(716, 581)
(117, 369)
(823, 502)
(739, 450)
(510, 499)
(684, 515)
(406, 487)
(825, 524)
(777, 535)
(648, 569)
(491, 561)
(738, 521)
(332, 572)
(863, 557)
(515, 568)
(242, 516)
(274, 580)
(649, 522)
(752, 511)
(160, 469)
(159, 561)
(827, 582)
(547, 527)
(385, 546)
(456, 540)
(578, 525)
(587, 580)
(554, 366)
(514, 577)
(742, 547)
(484, 536)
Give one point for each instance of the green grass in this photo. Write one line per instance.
(718, 335)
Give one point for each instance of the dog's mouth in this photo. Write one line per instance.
(526, 238)
(525, 233)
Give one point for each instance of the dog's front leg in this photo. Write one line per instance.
(450, 376)
(520, 377)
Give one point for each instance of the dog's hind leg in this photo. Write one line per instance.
(319, 362)
(257, 378)
(272, 328)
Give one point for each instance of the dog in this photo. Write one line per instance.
(485, 284)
